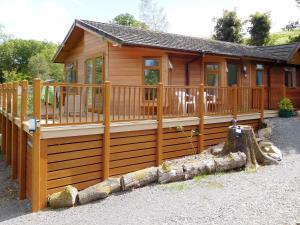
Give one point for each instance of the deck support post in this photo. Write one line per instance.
(14, 131)
(201, 118)
(262, 103)
(23, 142)
(8, 124)
(36, 148)
(3, 122)
(160, 100)
(235, 101)
(106, 150)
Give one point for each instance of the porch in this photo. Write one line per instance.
(88, 133)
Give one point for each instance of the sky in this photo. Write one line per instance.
(50, 20)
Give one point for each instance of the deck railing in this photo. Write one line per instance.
(67, 104)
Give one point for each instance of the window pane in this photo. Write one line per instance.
(151, 62)
(294, 79)
(99, 70)
(286, 78)
(212, 80)
(259, 66)
(232, 74)
(89, 71)
(259, 77)
(70, 74)
(212, 67)
(151, 77)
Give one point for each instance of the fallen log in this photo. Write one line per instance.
(242, 138)
(139, 178)
(99, 191)
(230, 162)
(62, 199)
(170, 174)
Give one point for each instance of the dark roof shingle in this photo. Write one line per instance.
(284, 52)
(133, 36)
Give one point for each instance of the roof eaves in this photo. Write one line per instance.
(99, 31)
(296, 48)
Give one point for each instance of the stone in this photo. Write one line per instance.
(63, 199)
(265, 144)
(273, 152)
(265, 133)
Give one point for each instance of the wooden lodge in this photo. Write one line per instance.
(133, 98)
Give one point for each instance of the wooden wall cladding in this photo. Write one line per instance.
(178, 143)
(131, 151)
(74, 161)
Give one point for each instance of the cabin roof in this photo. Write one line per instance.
(286, 51)
(129, 36)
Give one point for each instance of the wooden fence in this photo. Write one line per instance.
(46, 165)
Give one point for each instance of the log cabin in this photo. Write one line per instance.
(132, 99)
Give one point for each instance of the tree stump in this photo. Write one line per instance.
(242, 139)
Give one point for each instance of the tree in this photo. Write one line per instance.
(3, 36)
(153, 15)
(127, 19)
(228, 27)
(38, 67)
(259, 29)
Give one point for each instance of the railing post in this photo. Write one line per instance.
(3, 122)
(160, 100)
(106, 150)
(201, 118)
(36, 145)
(14, 132)
(23, 142)
(262, 103)
(8, 124)
(235, 101)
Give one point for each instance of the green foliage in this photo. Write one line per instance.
(284, 37)
(10, 76)
(228, 27)
(259, 29)
(127, 19)
(22, 57)
(286, 105)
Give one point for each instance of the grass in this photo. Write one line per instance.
(214, 185)
(178, 187)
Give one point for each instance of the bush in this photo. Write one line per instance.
(286, 108)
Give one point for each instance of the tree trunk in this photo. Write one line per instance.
(242, 139)
(99, 191)
(139, 178)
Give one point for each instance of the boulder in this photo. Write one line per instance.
(265, 133)
(62, 199)
(99, 191)
(272, 151)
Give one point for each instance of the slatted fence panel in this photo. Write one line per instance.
(131, 151)
(28, 168)
(74, 161)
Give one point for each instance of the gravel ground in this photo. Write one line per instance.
(269, 196)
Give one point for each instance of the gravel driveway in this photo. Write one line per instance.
(269, 196)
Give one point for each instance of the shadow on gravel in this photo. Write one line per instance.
(10, 205)
(286, 134)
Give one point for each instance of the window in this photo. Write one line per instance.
(71, 76)
(151, 76)
(290, 80)
(259, 74)
(99, 70)
(212, 74)
(232, 73)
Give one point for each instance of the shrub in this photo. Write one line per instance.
(286, 105)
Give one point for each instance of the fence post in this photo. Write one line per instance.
(201, 118)
(23, 142)
(106, 150)
(14, 132)
(8, 124)
(160, 100)
(235, 101)
(3, 122)
(36, 144)
(262, 103)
